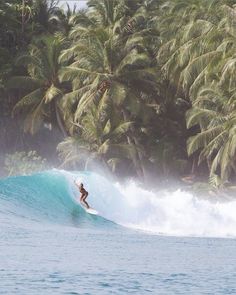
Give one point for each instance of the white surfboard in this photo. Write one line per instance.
(90, 210)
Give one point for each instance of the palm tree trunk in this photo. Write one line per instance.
(137, 158)
(23, 18)
(59, 121)
(193, 165)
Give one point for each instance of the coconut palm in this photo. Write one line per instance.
(217, 137)
(145, 62)
(197, 56)
(113, 61)
(42, 89)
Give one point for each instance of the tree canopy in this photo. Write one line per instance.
(143, 87)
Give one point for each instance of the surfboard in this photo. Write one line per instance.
(90, 210)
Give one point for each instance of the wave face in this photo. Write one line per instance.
(50, 197)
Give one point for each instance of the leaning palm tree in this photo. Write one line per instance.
(42, 89)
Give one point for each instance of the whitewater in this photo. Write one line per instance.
(165, 242)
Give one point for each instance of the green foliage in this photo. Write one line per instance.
(124, 79)
(114, 79)
(24, 163)
(198, 56)
(44, 91)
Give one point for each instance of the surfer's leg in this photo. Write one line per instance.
(81, 198)
(84, 198)
(87, 205)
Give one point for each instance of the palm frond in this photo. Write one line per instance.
(195, 115)
(52, 93)
(120, 130)
(203, 138)
(29, 100)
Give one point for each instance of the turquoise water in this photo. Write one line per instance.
(50, 245)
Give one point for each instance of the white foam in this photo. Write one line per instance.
(177, 213)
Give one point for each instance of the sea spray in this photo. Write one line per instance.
(178, 213)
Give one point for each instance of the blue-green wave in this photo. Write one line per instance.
(52, 197)
(48, 197)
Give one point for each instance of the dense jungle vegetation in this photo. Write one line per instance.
(142, 87)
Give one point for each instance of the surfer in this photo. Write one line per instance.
(84, 194)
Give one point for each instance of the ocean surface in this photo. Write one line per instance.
(141, 243)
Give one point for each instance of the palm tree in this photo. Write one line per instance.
(43, 91)
(197, 57)
(112, 61)
(217, 137)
